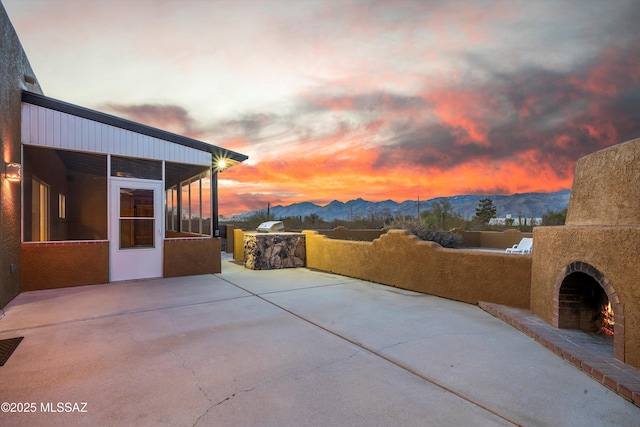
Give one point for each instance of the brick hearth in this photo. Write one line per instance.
(593, 356)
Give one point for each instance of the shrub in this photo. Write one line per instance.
(426, 232)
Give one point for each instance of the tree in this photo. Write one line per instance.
(255, 220)
(442, 216)
(312, 218)
(485, 211)
(554, 217)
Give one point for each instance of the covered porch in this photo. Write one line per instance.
(105, 199)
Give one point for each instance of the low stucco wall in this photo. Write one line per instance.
(191, 256)
(400, 259)
(612, 250)
(230, 238)
(344, 233)
(53, 265)
(238, 244)
(491, 239)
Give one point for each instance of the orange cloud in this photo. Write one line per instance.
(461, 110)
(350, 175)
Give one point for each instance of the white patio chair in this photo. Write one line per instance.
(524, 247)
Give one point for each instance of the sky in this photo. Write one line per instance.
(336, 100)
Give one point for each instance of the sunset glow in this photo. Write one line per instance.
(346, 99)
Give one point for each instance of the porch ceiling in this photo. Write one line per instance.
(93, 164)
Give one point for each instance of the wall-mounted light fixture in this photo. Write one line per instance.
(13, 172)
(28, 78)
(221, 164)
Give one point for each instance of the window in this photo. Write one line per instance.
(195, 203)
(62, 206)
(65, 195)
(136, 218)
(171, 204)
(127, 167)
(39, 211)
(195, 198)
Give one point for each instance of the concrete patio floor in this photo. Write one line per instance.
(288, 347)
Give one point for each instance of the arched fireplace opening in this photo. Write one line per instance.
(583, 304)
(585, 300)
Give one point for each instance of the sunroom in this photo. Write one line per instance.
(105, 199)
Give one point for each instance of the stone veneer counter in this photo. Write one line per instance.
(267, 251)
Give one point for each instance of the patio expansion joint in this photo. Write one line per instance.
(118, 314)
(297, 289)
(612, 373)
(426, 337)
(388, 359)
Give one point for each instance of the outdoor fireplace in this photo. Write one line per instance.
(596, 248)
(587, 301)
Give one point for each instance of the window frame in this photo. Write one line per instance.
(191, 198)
(43, 211)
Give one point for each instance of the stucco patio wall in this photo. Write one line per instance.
(64, 264)
(344, 233)
(471, 239)
(400, 259)
(238, 244)
(190, 256)
(230, 238)
(491, 239)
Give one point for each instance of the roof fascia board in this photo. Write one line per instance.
(64, 107)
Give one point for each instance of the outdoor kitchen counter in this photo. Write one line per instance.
(267, 251)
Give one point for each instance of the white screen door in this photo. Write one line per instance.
(135, 229)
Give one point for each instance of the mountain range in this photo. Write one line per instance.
(527, 205)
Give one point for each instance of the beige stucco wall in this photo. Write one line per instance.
(230, 238)
(491, 239)
(238, 244)
(13, 66)
(612, 250)
(344, 233)
(606, 187)
(400, 259)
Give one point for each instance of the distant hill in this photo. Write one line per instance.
(528, 205)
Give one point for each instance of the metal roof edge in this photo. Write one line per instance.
(97, 116)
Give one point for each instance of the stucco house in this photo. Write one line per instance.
(90, 198)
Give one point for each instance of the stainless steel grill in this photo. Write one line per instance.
(270, 227)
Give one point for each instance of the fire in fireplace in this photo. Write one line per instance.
(608, 320)
(586, 300)
(582, 301)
